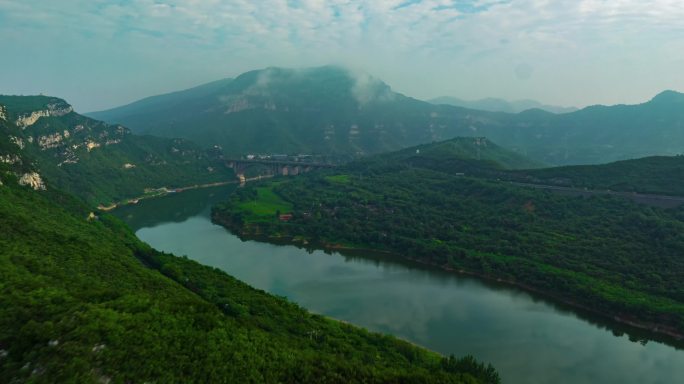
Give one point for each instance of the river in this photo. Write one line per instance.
(527, 338)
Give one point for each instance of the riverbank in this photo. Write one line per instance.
(266, 233)
(163, 191)
(531, 339)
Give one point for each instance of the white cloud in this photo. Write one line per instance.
(424, 48)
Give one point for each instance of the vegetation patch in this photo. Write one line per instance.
(264, 203)
(340, 179)
(83, 300)
(604, 253)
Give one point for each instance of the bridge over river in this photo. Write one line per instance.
(275, 167)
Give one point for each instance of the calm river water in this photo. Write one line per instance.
(527, 339)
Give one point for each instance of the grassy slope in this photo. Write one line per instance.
(77, 305)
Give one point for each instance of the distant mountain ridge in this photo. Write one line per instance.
(334, 111)
(492, 104)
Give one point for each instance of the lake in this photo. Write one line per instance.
(527, 338)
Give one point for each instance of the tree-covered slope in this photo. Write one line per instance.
(82, 300)
(604, 253)
(101, 163)
(331, 110)
(655, 175)
(325, 110)
(458, 155)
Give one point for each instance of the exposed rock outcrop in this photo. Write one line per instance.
(90, 145)
(18, 141)
(57, 109)
(33, 180)
(52, 141)
(10, 159)
(3, 113)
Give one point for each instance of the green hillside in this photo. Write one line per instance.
(98, 162)
(604, 253)
(82, 300)
(334, 111)
(458, 155)
(655, 175)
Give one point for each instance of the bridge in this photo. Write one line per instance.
(275, 167)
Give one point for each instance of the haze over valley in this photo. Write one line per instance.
(341, 192)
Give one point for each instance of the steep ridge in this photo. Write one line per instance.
(101, 163)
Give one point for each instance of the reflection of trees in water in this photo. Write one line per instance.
(385, 260)
(174, 207)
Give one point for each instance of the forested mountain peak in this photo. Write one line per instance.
(669, 97)
(471, 152)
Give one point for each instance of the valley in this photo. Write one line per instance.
(438, 205)
(450, 210)
(528, 337)
(334, 192)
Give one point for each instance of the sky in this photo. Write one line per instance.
(101, 54)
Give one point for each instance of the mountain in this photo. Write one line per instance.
(83, 300)
(596, 251)
(334, 111)
(325, 110)
(601, 134)
(460, 154)
(499, 105)
(99, 162)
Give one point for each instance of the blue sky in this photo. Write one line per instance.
(99, 54)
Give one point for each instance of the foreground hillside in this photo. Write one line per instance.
(98, 162)
(337, 112)
(603, 253)
(82, 300)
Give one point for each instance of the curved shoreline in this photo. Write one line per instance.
(657, 332)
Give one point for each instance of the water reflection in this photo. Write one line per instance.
(528, 339)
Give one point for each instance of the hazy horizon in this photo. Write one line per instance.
(99, 55)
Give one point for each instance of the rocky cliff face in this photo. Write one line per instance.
(54, 109)
(3, 113)
(33, 180)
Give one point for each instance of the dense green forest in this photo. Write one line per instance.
(82, 300)
(655, 175)
(480, 157)
(336, 111)
(603, 253)
(98, 162)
